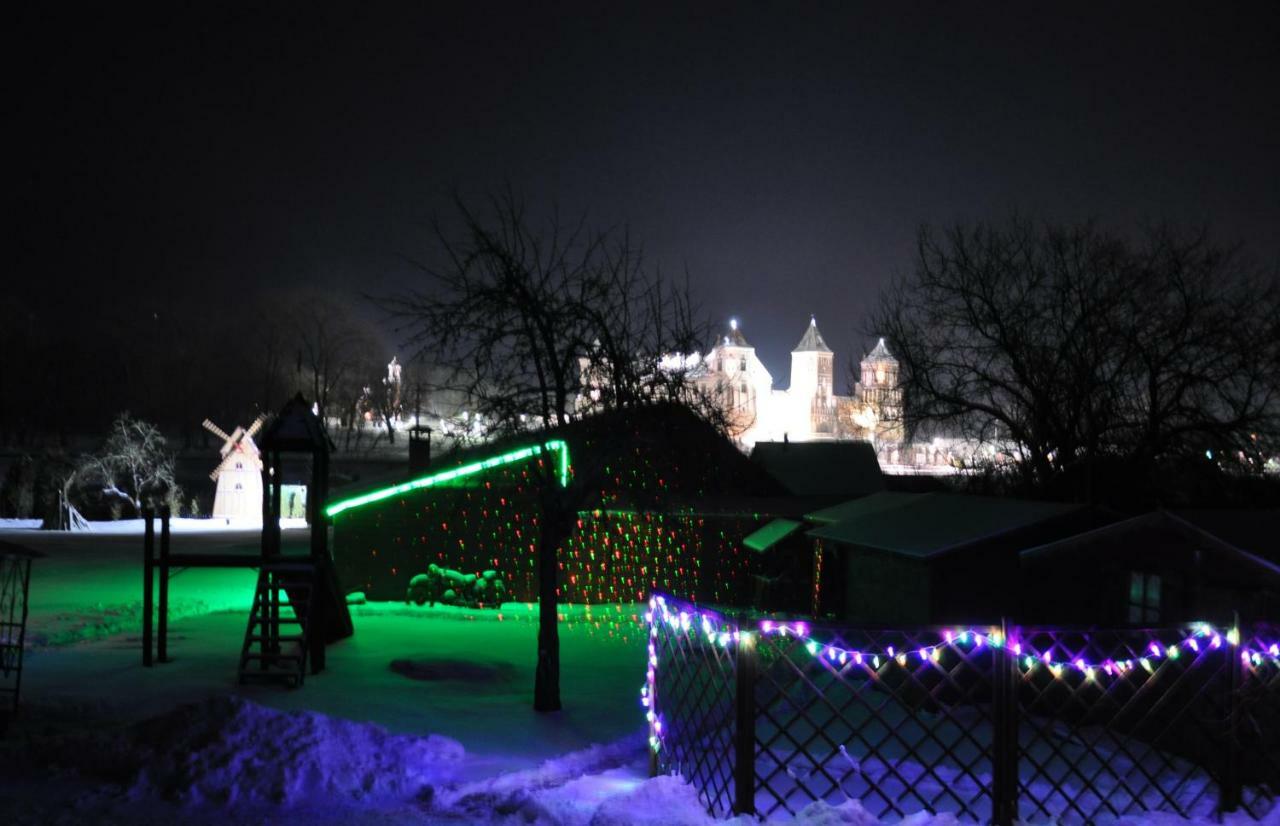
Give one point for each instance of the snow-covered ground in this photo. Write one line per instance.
(422, 717)
(178, 524)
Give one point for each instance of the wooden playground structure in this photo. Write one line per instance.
(298, 606)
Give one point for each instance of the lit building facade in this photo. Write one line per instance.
(809, 409)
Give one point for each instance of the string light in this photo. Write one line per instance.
(992, 637)
(454, 474)
(617, 552)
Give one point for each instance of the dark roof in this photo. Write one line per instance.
(11, 549)
(295, 428)
(1254, 530)
(811, 341)
(821, 468)
(664, 431)
(1159, 530)
(771, 534)
(936, 523)
(863, 506)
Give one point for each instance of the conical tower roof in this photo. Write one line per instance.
(812, 341)
(735, 338)
(880, 353)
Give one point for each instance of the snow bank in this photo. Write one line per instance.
(228, 751)
(608, 786)
(20, 524)
(183, 524)
(227, 758)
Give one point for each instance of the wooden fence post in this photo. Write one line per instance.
(1231, 791)
(1004, 719)
(162, 618)
(744, 763)
(817, 578)
(148, 558)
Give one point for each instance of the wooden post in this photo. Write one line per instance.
(744, 762)
(1231, 789)
(817, 577)
(162, 620)
(1004, 745)
(148, 557)
(277, 492)
(266, 503)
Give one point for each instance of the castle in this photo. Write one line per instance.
(810, 410)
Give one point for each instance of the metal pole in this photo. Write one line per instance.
(162, 621)
(148, 558)
(744, 763)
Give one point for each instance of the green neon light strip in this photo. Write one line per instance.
(556, 445)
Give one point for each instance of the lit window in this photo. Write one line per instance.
(1144, 598)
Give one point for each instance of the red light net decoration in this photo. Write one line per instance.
(630, 542)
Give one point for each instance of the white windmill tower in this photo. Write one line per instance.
(239, 474)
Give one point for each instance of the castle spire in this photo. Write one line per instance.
(812, 341)
(880, 353)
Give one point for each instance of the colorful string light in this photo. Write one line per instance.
(489, 519)
(720, 632)
(1202, 635)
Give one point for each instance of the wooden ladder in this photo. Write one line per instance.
(276, 643)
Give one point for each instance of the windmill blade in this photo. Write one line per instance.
(256, 426)
(215, 430)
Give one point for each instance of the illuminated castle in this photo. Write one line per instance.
(809, 409)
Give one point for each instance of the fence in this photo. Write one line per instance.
(990, 724)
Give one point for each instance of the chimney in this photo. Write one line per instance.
(419, 448)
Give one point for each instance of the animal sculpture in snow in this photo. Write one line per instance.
(450, 587)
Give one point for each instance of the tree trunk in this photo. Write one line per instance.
(555, 529)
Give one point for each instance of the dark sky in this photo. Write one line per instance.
(786, 155)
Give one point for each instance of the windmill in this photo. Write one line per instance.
(239, 474)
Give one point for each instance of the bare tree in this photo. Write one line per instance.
(1076, 345)
(134, 467)
(515, 317)
(331, 342)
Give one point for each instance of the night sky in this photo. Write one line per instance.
(784, 155)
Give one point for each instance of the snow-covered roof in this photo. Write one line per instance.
(880, 353)
(933, 524)
(812, 341)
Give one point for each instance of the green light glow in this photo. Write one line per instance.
(556, 445)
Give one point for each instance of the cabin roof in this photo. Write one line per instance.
(937, 523)
(862, 506)
(821, 468)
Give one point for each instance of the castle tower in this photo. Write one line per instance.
(741, 380)
(880, 394)
(811, 398)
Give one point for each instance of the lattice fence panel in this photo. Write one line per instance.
(1259, 721)
(1128, 722)
(900, 733)
(1033, 724)
(695, 707)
